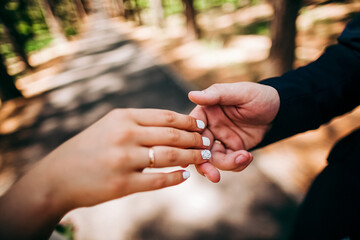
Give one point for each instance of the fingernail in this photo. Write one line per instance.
(205, 154)
(240, 159)
(200, 124)
(186, 175)
(206, 141)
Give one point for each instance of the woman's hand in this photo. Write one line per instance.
(105, 162)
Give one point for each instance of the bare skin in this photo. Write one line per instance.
(237, 116)
(102, 163)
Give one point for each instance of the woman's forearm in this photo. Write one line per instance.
(31, 208)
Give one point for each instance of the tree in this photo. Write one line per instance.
(190, 14)
(10, 18)
(157, 12)
(7, 87)
(52, 21)
(80, 9)
(87, 6)
(283, 34)
(121, 7)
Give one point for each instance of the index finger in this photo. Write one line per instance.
(166, 118)
(199, 113)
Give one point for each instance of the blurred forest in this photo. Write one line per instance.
(61, 70)
(29, 26)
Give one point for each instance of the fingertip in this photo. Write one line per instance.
(243, 157)
(215, 178)
(210, 172)
(185, 175)
(178, 177)
(242, 160)
(195, 95)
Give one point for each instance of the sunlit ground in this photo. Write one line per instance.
(260, 201)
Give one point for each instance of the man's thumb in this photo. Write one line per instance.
(224, 94)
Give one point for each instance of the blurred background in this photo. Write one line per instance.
(66, 63)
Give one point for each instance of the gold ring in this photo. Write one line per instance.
(151, 157)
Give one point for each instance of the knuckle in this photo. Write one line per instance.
(190, 123)
(119, 161)
(197, 139)
(174, 135)
(196, 157)
(160, 181)
(172, 155)
(117, 186)
(169, 117)
(123, 135)
(215, 86)
(128, 133)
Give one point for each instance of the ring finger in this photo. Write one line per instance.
(170, 156)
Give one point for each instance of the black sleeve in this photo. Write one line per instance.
(314, 94)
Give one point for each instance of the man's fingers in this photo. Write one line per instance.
(225, 94)
(140, 182)
(234, 161)
(208, 170)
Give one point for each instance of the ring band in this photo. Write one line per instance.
(151, 157)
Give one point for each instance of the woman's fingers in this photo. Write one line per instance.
(166, 118)
(199, 113)
(170, 156)
(164, 136)
(140, 182)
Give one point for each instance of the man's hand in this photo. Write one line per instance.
(237, 116)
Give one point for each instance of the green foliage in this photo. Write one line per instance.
(64, 9)
(66, 231)
(39, 42)
(172, 7)
(6, 50)
(28, 20)
(258, 28)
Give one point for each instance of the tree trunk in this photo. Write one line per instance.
(157, 12)
(7, 87)
(121, 8)
(80, 9)
(138, 12)
(190, 14)
(283, 34)
(16, 39)
(52, 21)
(87, 6)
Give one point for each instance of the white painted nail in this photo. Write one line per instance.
(205, 154)
(200, 124)
(206, 141)
(186, 175)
